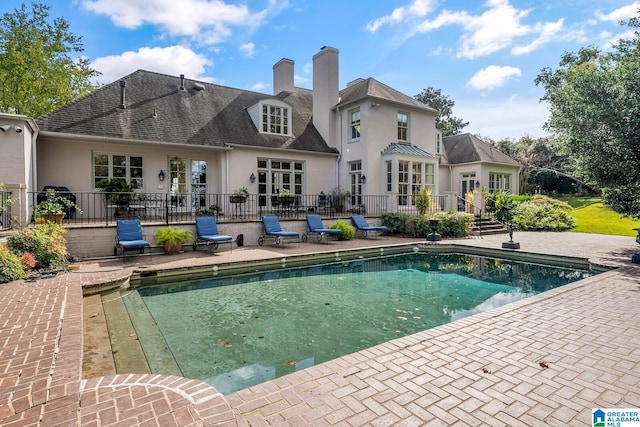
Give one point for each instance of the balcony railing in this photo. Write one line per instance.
(97, 208)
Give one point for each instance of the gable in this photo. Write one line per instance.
(466, 148)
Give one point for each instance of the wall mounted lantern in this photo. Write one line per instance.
(161, 175)
(252, 178)
(363, 179)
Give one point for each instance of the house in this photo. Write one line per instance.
(173, 135)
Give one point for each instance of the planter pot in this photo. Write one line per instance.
(57, 218)
(237, 199)
(286, 200)
(172, 249)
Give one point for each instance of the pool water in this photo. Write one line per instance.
(238, 331)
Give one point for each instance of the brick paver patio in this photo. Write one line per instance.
(546, 360)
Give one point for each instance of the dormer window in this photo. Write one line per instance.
(275, 119)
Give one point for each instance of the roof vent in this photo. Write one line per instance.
(198, 86)
(181, 81)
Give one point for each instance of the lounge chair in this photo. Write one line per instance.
(129, 236)
(271, 226)
(364, 227)
(314, 222)
(207, 231)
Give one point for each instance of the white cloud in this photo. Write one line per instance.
(259, 87)
(498, 27)
(621, 14)
(415, 9)
(547, 31)
(173, 60)
(248, 49)
(492, 77)
(208, 21)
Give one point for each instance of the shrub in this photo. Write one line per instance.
(348, 230)
(543, 213)
(28, 261)
(500, 204)
(397, 223)
(453, 224)
(45, 241)
(10, 267)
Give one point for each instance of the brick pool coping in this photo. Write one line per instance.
(546, 360)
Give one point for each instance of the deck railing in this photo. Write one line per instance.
(97, 208)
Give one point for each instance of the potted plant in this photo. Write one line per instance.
(239, 196)
(285, 197)
(54, 206)
(339, 198)
(172, 238)
(348, 230)
(118, 192)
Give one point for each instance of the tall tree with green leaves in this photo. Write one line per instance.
(594, 98)
(40, 66)
(445, 120)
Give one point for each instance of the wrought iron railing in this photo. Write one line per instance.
(5, 210)
(95, 208)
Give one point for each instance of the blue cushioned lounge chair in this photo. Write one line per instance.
(207, 231)
(271, 226)
(129, 236)
(314, 222)
(364, 227)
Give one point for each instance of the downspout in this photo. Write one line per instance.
(339, 154)
(226, 172)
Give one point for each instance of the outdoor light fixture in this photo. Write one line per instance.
(161, 175)
(5, 128)
(477, 184)
(363, 179)
(252, 178)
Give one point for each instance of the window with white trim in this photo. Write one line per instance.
(389, 175)
(499, 181)
(403, 183)
(354, 125)
(118, 166)
(275, 119)
(403, 126)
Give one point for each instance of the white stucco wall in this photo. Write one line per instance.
(379, 128)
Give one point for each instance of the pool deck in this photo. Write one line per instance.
(546, 360)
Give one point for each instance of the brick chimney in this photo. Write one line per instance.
(283, 76)
(325, 91)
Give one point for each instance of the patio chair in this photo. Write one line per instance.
(129, 237)
(207, 231)
(314, 222)
(271, 227)
(364, 227)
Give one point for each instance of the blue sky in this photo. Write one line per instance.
(484, 54)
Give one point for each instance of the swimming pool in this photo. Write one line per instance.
(237, 331)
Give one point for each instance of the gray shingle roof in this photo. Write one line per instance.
(396, 148)
(371, 88)
(214, 116)
(466, 148)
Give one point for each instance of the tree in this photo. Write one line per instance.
(37, 72)
(594, 99)
(445, 121)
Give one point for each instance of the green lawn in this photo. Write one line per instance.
(593, 216)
